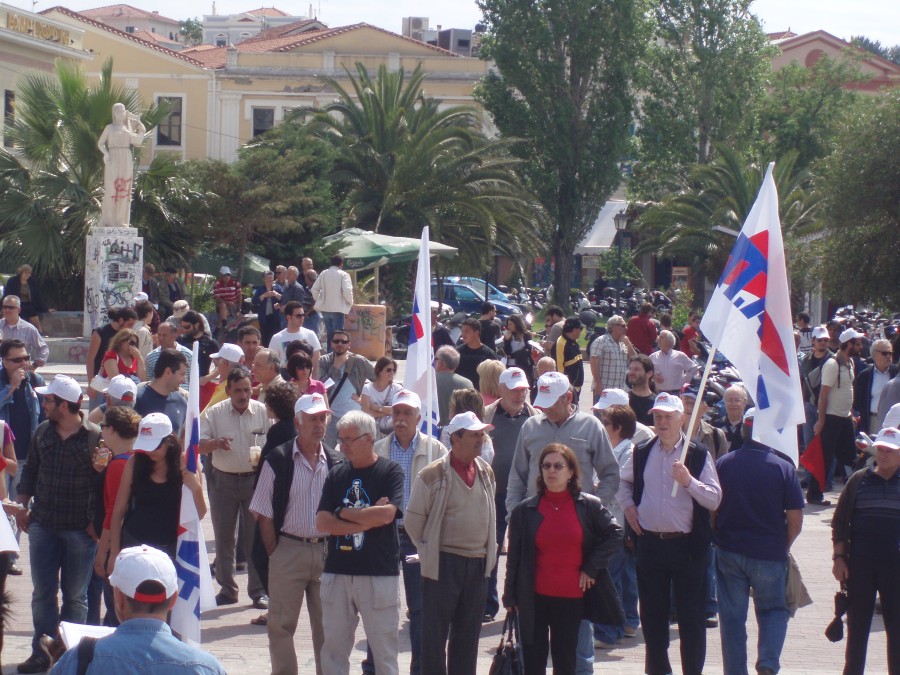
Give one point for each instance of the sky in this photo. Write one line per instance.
(876, 19)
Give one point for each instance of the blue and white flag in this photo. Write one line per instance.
(420, 354)
(195, 588)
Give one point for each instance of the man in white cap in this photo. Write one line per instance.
(410, 448)
(760, 516)
(672, 535)
(227, 431)
(508, 414)
(145, 586)
(225, 360)
(60, 478)
(287, 494)
(163, 394)
(179, 309)
(611, 397)
(121, 391)
(562, 422)
(452, 519)
(227, 293)
(865, 553)
(360, 505)
(835, 422)
(811, 378)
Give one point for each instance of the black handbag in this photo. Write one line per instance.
(509, 659)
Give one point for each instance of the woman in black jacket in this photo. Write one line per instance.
(560, 541)
(516, 339)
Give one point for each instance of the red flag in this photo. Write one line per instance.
(814, 460)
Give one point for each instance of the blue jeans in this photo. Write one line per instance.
(65, 556)
(333, 321)
(311, 321)
(584, 650)
(624, 575)
(737, 574)
(812, 416)
(412, 586)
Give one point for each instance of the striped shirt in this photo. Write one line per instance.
(675, 367)
(404, 457)
(303, 500)
(153, 357)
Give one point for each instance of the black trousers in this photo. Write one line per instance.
(837, 442)
(556, 622)
(869, 575)
(661, 565)
(451, 610)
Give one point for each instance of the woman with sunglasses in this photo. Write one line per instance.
(299, 367)
(376, 397)
(560, 543)
(148, 503)
(123, 357)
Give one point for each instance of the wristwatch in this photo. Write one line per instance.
(337, 512)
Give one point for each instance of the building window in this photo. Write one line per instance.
(221, 40)
(169, 130)
(129, 29)
(263, 120)
(9, 115)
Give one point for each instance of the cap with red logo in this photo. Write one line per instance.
(514, 378)
(667, 402)
(888, 437)
(550, 387)
(122, 388)
(610, 397)
(311, 404)
(151, 431)
(408, 398)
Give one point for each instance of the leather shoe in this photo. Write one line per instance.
(222, 599)
(14, 569)
(33, 664)
(261, 602)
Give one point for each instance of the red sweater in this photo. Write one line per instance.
(558, 547)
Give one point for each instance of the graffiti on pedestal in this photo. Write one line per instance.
(115, 259)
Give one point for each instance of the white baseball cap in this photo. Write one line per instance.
(138, 564)
(225, 270)
(140, 297)
(64, 387)
(229, 352)
(610, 397)
(849, 334)
(889, 437)
(152, 429)
(819, 332)
(667, 402)
(550, 387)
(122, 388)
(311, 404)
(514, 378)
(467, 421)
(180, 308)
(892, 419)
(407, 397)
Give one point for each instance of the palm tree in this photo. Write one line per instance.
(51, 182)
(690, 224)
(403, 163)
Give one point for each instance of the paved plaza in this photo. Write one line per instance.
(243, 648)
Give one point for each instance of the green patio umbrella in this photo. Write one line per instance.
(363, 250)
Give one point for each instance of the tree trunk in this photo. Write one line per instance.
(562, 275)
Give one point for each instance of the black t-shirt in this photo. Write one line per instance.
(375, 552)
(207, 346)
(641, 406)
(490, 332)
(106, 334)
(469, 360)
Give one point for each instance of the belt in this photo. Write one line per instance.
(666, 535)
(304, 540)
(239, 475)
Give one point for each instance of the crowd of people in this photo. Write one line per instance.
(324, 487)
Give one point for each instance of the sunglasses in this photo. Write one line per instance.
(556, 466)
(19, 359)
(340, 342)
(298, 315)
(877, 351)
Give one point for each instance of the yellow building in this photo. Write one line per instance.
(30, 42)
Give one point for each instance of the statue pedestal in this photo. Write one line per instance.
(114, 262)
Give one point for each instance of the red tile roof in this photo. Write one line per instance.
(154, 37)
(781, 35)
(267, 11)
(128, 36)
(297, 27)
(123, 10)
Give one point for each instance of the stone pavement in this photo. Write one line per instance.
(243, 648)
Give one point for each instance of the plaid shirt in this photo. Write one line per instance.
(404, 458)
(60, 477)
(613, 362)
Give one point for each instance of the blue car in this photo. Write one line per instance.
(494, 294)
(463, 298)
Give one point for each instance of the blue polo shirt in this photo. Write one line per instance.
(757, 488)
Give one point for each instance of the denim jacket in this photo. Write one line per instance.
(140, 646)
(34, 406)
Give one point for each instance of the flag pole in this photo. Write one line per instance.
(695, 411)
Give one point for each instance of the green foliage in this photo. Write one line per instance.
(704, 76)
(860, 188)
(891, 54)
(192, 31)
(804, 106)
(682, 307)
(609, 264)
(563, 91)
(402, 163)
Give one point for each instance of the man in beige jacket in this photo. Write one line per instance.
(333, 295)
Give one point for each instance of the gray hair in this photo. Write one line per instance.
(268, 273)
(448, 356)
(668, 336)
(15, 299)
(615, 320)
(878, 344)
(280, 268)
(271, 357)
(741, 389)
(293, 270)
(364, 423)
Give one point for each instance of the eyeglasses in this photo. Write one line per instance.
(347, 441)
(19, 359)
(555, 466)
(298, 315)
(340, 342)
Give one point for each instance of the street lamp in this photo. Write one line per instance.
(621, 220)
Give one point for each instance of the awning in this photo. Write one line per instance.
(602, 235)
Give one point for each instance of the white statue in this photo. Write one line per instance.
(115, 143)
